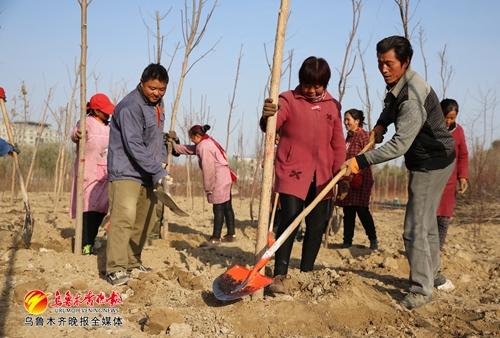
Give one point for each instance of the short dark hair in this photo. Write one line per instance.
(448, 105)
(357, 115)
(314, 71)
(155, 71)
(199, 130)
(401, 45)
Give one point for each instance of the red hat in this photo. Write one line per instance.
(101, 102)
(2, 94)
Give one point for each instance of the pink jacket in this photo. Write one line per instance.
(95, 185)
(461, 170)
(216, 175)
(311, 143)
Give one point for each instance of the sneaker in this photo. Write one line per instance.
(140, 268)
(278, 285)
(346, 245)
(229, 238)
(117, 278)
(374, 244)
(414, 300)
(87, 249)
(442, 283)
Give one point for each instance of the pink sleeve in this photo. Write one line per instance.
(338, 142)
(462, 156)
(185, 149)
(207, 160)
(284, 108)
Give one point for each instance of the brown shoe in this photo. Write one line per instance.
(278, 285)
(229, 238)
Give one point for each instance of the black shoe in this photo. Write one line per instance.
(140, 268)
(374, 244)
(415, 300)
(346, 245)
(117, 278)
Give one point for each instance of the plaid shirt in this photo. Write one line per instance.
(355, 142)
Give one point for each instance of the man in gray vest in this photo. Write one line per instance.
(429, 151)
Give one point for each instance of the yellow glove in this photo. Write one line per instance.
(351, 166)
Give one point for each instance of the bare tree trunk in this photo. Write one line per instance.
(192, 35)
(270, 137)
(231, 101)
(404, 13)
(83, 129)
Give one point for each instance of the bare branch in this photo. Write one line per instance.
(421, 40)
(446, 72)
(366, 100)
(347, 66)
(233, 97)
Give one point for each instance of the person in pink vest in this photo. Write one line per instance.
(217, 177)
(95, 185)
(459, 174)
(310, 152)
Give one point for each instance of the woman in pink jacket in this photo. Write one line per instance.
(95, 185)
(217, 178)
(311, 150)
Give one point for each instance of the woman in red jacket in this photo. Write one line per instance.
(310, 151)
(460, 173)
(360, 187)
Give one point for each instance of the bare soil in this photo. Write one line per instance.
(352, 292)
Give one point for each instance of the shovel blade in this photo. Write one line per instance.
(228, 286)
(27, 232)
(170, 203)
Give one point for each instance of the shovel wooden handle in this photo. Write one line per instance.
(10, 135)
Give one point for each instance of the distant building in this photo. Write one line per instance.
(25, 133)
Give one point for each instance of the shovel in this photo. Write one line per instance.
(29, 222)
(164, 197)
(239, 281)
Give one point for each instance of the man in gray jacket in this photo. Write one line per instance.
(136, 150)
(429, 151)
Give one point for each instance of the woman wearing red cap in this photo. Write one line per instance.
(95, 191)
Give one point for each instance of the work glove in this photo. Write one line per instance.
(2, 94)
(342, 189)
(378, 132)
(351, 166)
(463, 185)
(269, 109)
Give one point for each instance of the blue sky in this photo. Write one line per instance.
(40, 43)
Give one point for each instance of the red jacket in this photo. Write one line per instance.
(360, 197)
(461, 170)
(311, 142)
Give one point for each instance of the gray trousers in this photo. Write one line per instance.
(421, 236)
